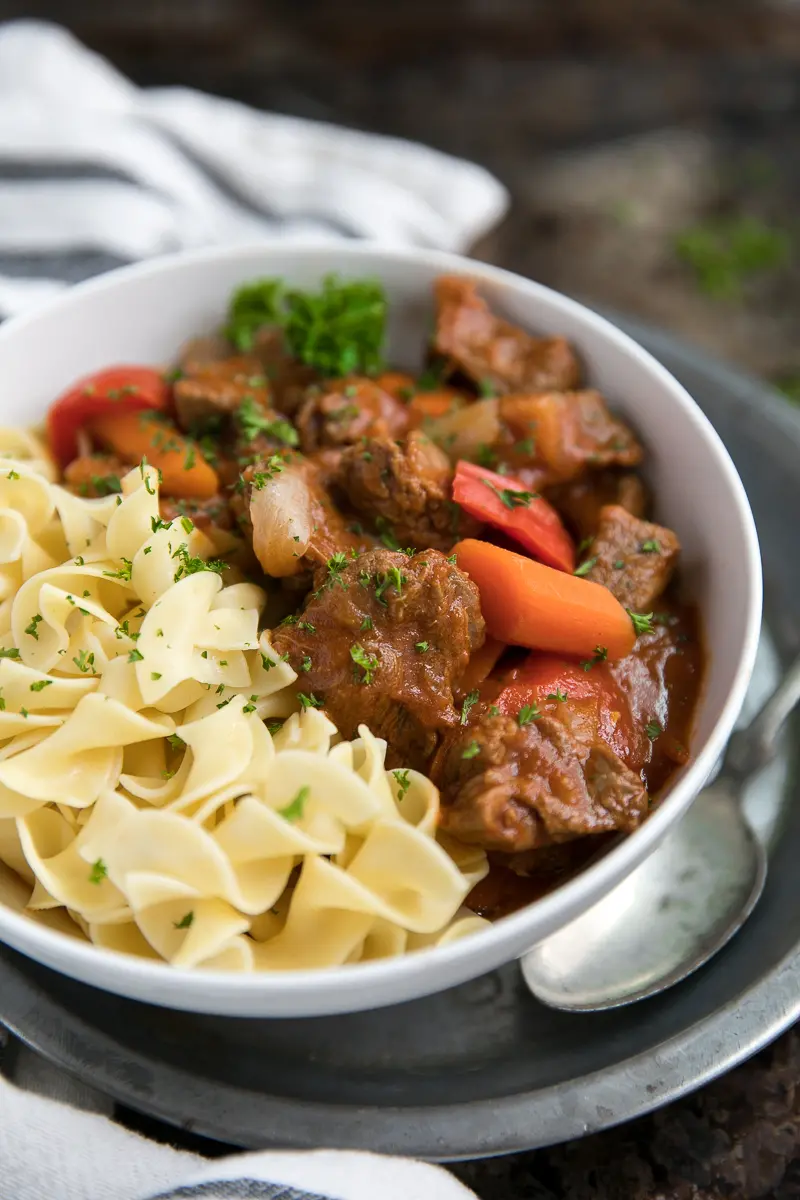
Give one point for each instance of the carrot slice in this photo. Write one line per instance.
(427, 406)
(525, 516)
(134, 436)
(123, 389)
(525, 603)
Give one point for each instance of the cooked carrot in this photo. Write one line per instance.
(480, 665)
(397, 384)
(428, 405)
(525, 603)
(134, 436)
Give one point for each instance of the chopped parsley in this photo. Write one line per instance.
(305, 665)
(469, 702)
(487, 388)
(472, 750)
(494, 711)
(12, 474)
(365, 624)
(558, 694)
(135, 656)
(176, 742)
(185, 921)
(485, 456)
(40, 685)
(642, 622)
(307, 625)
(272, 467)
(106, 485)
(528, 713)
(310, 701)
(367, 662)
(189, 565)
(11, 652)
(387, 534)
(586, 567)
(99, 871)
(391, 578)
(31, 629)
(253, 420)
(84, 662)
(526, 447)
(600, 655)
(123, 573)
(652, 546)
(403, 782)
(653, 730)
(421, 647)
(511, 498)
(294, 810)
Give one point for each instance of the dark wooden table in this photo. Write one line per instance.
(653, 154)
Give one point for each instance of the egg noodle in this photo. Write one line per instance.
(159, 780)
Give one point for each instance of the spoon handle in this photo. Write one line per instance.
(752, 748)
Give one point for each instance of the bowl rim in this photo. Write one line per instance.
(50, 945)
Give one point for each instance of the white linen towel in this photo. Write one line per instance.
(94, 172)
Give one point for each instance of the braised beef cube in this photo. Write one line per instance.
(383, 641)
(515, 789)
(405, 490)
(211, 390)
(634, 559)
(571, 432)
(94, 475)
(342, 413)
(214, 513)
(493, 352)
(288, 378)
(579, 503)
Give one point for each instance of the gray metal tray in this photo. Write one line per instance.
(482, 1069)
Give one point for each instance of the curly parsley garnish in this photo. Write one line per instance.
(403, 782)
(469, 702)
(367, 662)
(294, 810)
(642, 622)
(511, 498)
(528, 713)
(99, 871)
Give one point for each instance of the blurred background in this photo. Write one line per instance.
(652, 149)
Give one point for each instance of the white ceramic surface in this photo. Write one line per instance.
(144, 313)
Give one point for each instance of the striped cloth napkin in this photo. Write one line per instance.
(95, 172)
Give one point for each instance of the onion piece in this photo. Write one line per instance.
(461, 433)
(281, 515)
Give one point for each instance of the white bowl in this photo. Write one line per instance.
(144, 313)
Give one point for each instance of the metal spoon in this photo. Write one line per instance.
(683, 904)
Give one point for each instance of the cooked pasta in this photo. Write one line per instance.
(159, 780)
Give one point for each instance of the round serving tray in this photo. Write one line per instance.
(482, 1069)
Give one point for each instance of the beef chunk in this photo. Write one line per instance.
(383, 641)
(95, 475)
(287, 377)
(634, 559)
(343, 413)
(406, 489)
(579, 503)
(214, 384)
(570, 432)
(516, 789)
(213, 513)
(491, 350)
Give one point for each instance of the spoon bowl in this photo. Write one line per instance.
(664, 921)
